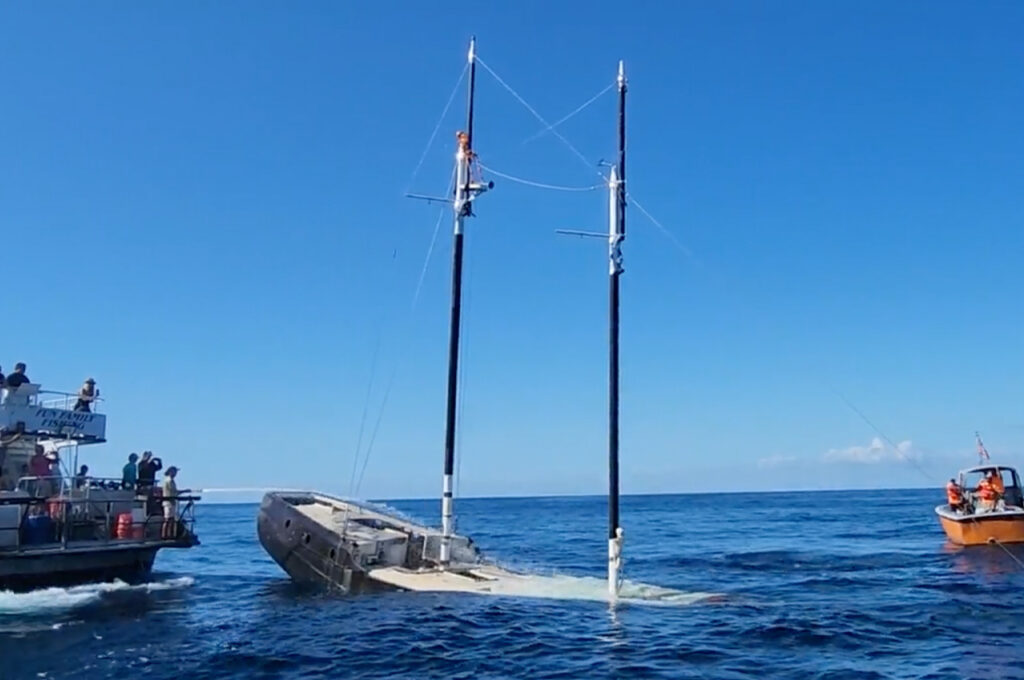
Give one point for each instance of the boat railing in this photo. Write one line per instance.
(65, 401)
(31, 394)
(86, 515)
(45, 486)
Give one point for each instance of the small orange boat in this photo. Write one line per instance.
(976, 522)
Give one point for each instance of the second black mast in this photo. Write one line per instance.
(616, 234)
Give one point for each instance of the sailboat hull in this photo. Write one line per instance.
(350, 548)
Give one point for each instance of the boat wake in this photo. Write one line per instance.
(47, 600)
(563, 587)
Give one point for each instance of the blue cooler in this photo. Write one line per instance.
(37, 529)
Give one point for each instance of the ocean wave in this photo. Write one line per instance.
(54, 599)
(565, 587)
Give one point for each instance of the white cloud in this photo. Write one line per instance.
(875, 452)
(775, 461)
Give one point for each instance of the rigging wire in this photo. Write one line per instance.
(664, 230)
(412, 308)
(366, 401)
(881, 434)
(549, 127)
(575, 111)
(576, 152)
(437, 127)
(539, 117)
(539, 185)
(369, 387)
(376, 427)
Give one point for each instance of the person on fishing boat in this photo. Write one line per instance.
(986, 494)
(954, 496)
(170, 493)
(996, 480)
(86, 396)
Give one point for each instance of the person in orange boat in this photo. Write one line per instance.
(996, 480)
(986, 494)
(954, 497)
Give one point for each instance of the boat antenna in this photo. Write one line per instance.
(466, 189)
(616, 234)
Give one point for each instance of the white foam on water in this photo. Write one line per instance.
(55, 599)
(563, 587)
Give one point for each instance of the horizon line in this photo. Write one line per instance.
(572, 495)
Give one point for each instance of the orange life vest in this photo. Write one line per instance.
(953, 494)
(997, 485)
(986, 491)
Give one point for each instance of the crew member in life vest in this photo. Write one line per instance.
(986, 494)
(996, 480)
(954, 497)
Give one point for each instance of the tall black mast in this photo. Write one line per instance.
(465, 191)
(617, 232)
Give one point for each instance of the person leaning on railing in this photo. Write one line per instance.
(86, 395)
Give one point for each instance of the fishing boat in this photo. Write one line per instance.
(984, 504)
(56, 529)
(977, 522)
(352, 547)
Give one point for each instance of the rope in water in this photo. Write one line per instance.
(1005, 549)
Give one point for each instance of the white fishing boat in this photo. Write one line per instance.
(59, 529)
(352, 547)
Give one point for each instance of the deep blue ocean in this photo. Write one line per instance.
(805, 585)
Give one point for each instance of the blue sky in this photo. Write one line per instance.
(202, 208)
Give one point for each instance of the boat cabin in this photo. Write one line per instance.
(970, 478)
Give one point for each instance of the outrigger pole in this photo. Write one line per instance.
(616, 234)
(465, 191)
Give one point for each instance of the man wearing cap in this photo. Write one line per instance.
(170, 501)
(86, 395)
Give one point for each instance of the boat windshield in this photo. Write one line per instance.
(1012, 493)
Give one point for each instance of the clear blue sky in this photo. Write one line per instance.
(202, 208)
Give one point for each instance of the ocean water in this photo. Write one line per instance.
(789, 585)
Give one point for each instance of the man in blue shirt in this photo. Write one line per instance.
(130, 472)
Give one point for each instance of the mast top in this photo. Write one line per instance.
(622, 74)
(472, 49)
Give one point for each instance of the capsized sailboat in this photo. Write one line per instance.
(355, 547)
